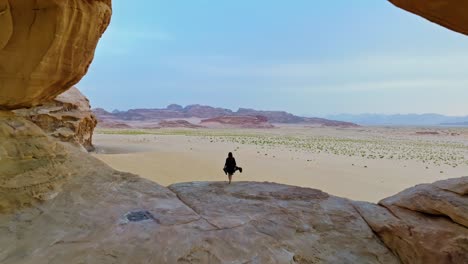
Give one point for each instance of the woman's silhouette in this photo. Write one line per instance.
(230, 167)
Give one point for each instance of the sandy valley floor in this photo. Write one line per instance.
(363, 164)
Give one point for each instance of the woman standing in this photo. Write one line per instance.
(230, 167)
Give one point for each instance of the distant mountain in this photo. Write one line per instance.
(407, 119)
(456, 124)
(175, 111)
(238, 122)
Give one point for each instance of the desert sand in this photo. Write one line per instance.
(366, 164)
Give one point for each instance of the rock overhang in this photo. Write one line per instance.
(46, 47)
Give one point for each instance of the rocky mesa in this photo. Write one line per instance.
(238, 122)
(61, 205)
(139, 117)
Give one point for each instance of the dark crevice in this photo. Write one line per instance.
(184, 223)
(193, 209)
(375, 233)
(433, 215)
(447, 190)
(202, 217)
(34, 18)
(390, 211)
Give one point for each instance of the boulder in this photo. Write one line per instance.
(448, 13)
(432, 200)
(417, 238)
(46, 47)
(68, 118)
(424, 224)
(457, 185)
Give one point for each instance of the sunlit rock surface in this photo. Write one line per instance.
(46, 47)
(89, 221)
(68, 118)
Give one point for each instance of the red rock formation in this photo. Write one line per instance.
(202, 111)
(111, 124)
(238, 122)
(178, 123)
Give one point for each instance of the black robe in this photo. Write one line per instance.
(230, 166)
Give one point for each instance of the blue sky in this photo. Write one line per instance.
(307, 57)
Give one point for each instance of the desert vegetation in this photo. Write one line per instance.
(430, 151)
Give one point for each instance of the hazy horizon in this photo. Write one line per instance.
(307, 58)
(298, 114)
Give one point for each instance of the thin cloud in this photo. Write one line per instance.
(369, 73)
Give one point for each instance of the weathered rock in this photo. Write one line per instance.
(458, 185)
(416, 237)
(68, 118)
(193, 223)
(307, 225)
(46, 47)
(32, 166)
(448, 13)
(423, 224)
(429, 199)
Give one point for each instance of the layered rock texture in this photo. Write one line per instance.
(46, 47)
(32, 166)
(68, 117)
(448, 13)
(424, 224)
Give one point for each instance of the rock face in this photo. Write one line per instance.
(32, 166)
(68, 118)
(46, 47)
(448, 13)
(238, 122)
(424, 224)
(187, 223)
